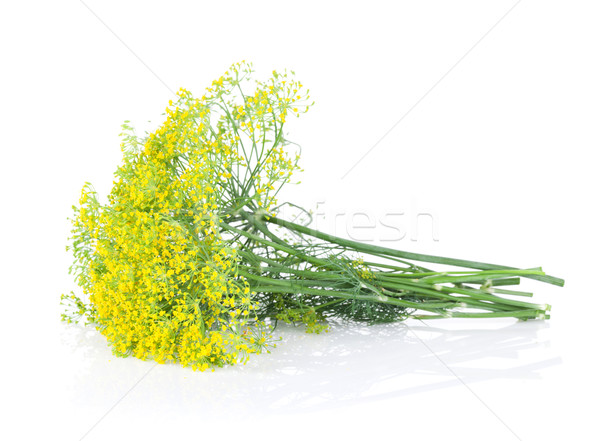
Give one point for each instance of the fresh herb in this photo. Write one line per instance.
(187, 260)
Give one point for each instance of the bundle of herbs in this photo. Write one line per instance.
(187, 261)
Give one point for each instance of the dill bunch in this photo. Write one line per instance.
(187, 261)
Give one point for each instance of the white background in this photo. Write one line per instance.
(502, 153)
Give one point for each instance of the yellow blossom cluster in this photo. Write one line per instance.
(160, 274)
(362, 270)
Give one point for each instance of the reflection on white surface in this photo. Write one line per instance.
(384, 371)
(352, 364)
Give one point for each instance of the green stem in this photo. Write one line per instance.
(378, 250)
(292, 289)
(525, 314)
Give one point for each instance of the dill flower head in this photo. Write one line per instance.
(160, 274)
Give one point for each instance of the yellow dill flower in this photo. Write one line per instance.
(159, 275)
